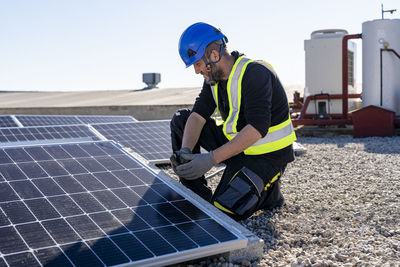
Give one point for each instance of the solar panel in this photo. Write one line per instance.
(150, 139)
(43, 134)
(7, 121)
(44, 120)
(92, 204)
(105, 119)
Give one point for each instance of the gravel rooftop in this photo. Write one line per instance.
(342, 207)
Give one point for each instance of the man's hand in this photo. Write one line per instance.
(176, 158)
(197, 166)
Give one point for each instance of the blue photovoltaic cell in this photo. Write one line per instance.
(7, 121)
(150, 139)
(40, 134)
(118, 212)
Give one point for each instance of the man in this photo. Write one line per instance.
(254, 139)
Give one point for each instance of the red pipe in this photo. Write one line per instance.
(315, 97)
(320, 122)
(345, 77)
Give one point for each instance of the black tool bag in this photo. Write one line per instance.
(242, 194)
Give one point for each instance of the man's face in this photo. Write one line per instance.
(216, 71)
(200, 68)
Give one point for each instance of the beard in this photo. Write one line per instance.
(217, 73)
(214, 76)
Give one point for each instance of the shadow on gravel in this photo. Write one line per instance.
(262, 226)
(376, 145)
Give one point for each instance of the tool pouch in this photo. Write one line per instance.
(242, 194)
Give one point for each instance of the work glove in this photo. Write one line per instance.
(197, 166)
(176, 158)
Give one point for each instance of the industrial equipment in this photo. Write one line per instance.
(330, 95)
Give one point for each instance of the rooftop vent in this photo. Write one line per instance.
(151, 80)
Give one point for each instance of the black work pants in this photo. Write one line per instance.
(211, 138)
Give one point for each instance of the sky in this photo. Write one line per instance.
(73, 45)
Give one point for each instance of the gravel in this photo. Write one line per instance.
(342, 207)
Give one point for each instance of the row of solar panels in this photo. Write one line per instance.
(44, 120)
(150, 139)
(69, 198)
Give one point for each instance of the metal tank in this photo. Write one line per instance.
(380, 64)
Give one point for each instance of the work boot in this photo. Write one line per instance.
(275, 198)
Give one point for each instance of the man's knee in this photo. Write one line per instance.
(179, 119)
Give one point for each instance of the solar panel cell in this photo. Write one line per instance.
(108, 252)
(60, 231)
(11, 172)
(52, 168)
(34, 235)
(108, 223)
(155, 242)
(177, 239)
(130, 220)
(25, 259)
(171, 213)
(48, 187)
(32, 170)
(108, 179)
(65, 205)
(7, 193)
(87, 202)
(42, 209)
(129, 197)
(72, 166)
(197, 234)
(109, 199)
(166, 192)
(89, 182)
(132, 247)
(3, 219)
(18, 155)
(17, 212)
(85, 227)
(81, 255)
(148, 194)
(69, 184)
(10, 241)
(25, 189)
(52, 257)
(151, 216)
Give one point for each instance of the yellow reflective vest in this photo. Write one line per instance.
(278, 136)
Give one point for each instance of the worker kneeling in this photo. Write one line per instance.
(250, 132)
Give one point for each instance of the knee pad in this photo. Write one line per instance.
(242, 194)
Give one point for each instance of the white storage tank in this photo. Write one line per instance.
(323, 54)
(376, 35)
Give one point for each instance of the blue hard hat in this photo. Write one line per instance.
(195, 39)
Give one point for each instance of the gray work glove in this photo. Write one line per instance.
(176, 158)
(197, 166)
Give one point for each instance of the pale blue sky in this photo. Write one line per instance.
(62, 45)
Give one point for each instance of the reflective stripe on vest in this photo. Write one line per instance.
(278, 136)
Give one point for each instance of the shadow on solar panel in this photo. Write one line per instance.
(93, 204)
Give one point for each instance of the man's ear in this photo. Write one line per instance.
(214, 55)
